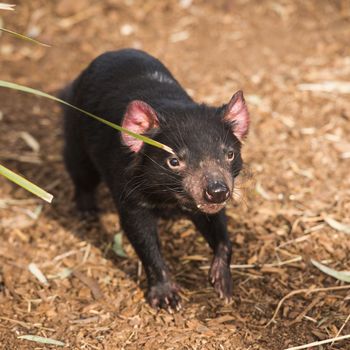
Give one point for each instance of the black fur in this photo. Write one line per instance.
(142, 185)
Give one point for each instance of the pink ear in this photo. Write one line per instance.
(139, 118)
(237, 115)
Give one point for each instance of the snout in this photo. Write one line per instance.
(216, 192)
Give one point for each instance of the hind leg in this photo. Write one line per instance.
(85, 178)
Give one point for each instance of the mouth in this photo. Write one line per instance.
(211, 208)
(208, 208)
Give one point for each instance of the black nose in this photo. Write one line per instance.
(216, 192)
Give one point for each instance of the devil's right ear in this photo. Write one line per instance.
(139, 118)
(236, 114)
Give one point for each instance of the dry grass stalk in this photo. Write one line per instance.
(321, 342)
(257, 266)
(341, 328)
(27, 325)
(8, 7)
(300, 291)
(341, 87)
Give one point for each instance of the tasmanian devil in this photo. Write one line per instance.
(135, 90)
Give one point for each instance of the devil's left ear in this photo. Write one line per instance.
(139, 118)
(236, 114)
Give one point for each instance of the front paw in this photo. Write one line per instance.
(164, 295)
(221, 279)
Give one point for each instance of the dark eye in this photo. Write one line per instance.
(230, 155)
(173, 162)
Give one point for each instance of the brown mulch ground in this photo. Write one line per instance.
(298, 152)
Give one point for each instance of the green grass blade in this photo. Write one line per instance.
(23, 37)
(118, 245)
(41, 340)
(29, 186)
(29, 90)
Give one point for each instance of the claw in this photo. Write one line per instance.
(220, 278)
(164, 295)
(228, 300)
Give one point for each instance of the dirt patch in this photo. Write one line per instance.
(298, 152)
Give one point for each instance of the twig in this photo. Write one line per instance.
(342, 87)
(90, 283)
(26, 324)
(28, 157)
(9, 7)
(300, 291)
(305, 311)
(92, 319)
(296, 240)
(316, 343)
(257, 266)
(30, 141)
(342, 327)
(64, 255)
(88, 344)
(34, 269)
(79, 17)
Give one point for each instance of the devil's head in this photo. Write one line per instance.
(207, 151)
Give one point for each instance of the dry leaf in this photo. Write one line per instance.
(337, 225)
(339, 275)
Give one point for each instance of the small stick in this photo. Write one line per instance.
(26, 324)
(306, 310)
(341, 87)
(316, 343)
(139, 272)
(64, 255)
(91, 283)
(342, 327)
(9, 7)
(296, 240)
(299, 291)
(255, 266)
